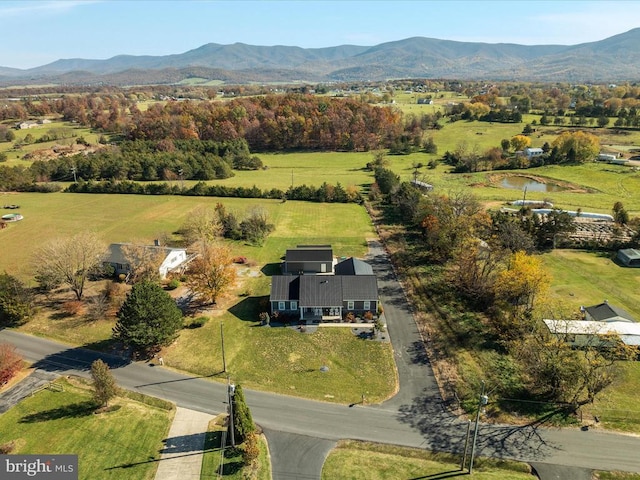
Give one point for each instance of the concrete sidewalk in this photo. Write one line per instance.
(182, 455)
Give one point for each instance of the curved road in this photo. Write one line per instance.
(414, 417)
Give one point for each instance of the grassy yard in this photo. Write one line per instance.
(286, 361)
(123, 218)
(588, 278)
(124, 443)
(292, 359)
(361, 460)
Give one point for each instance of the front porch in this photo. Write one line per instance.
(321, 314)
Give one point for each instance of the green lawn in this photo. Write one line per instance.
(123, 218)
(275, 359)
(284, 360)
(368, 461)
(124, 443)
(588, 278)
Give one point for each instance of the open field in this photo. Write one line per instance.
(362, 460)
(588, 278)
(67, 134)
(122, 443)
(292, 358)
(122, 218)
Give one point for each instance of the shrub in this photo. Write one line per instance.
(264, 318)
(10, 362)
(368, 316)
(173, 284)
(240, 260)
(197, 322)
(250, 449)
(73, 307)
(350, 317)
(7, 448)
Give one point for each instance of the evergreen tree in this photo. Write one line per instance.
(242, 419)
(16, 301)
(149, 318)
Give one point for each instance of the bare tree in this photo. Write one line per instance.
(202, 225)
(71, 259)
(144, 261)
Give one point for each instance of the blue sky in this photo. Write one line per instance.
(41, 31)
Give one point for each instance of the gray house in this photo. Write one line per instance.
(313, 289)
(324, 297)
(308, 259)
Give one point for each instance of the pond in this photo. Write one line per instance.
(520, 183)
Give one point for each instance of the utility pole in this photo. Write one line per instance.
(231, 389)
(466, 446)
(483, 400)
(73, 170)
(180, 172)
(224, 362)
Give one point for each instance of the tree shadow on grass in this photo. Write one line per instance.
(75, 410)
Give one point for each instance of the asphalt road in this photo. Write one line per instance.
(414, 417)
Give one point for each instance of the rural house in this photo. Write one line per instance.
(323, 292)
(168, 258)
(599, 321)
(308, 259)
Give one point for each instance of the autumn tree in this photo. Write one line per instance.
(473, 270)
(520, 142)
(71, 259)
(148, 319)
(517, 289)
(212, 272)
(16, 301)
(10, 362)
(104, 385)
(577, 146)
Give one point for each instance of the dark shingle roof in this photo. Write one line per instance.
(307, 254)
(359, 287)
(604, 311)
(116, 252)
(320, 291)
(353, 266)
(284, 287)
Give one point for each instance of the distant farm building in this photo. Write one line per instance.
(629, 257)
(533, 152)
(423, 185)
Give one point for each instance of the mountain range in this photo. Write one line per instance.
(614, 59)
